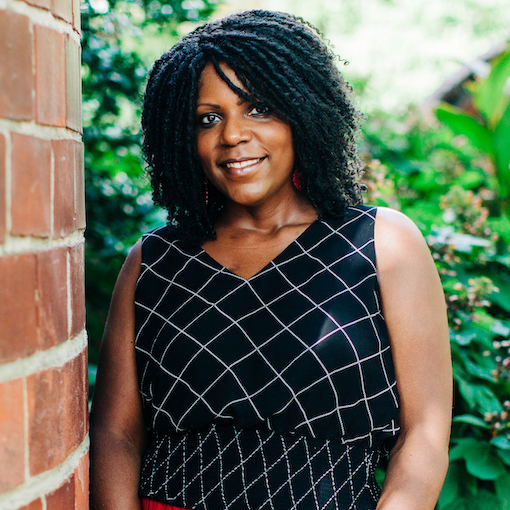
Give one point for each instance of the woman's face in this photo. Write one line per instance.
(245, 151)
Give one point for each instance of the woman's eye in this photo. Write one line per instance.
(208, 119)
(260, 110)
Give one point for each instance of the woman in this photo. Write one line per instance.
(246, 363)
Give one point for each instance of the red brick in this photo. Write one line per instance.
(80, 187)
(46, 419)
(12, 442)
(52, 297)
(18, 320)
(31, 186)
(63, 9)
(50, 80)
(35, 505)
(73, 84)
(81, 484)
(3, 197)
(76, 405)
(77, 289)
(64, 213)
(17, 75)
(63, 497)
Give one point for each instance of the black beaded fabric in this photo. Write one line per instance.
(274, 392)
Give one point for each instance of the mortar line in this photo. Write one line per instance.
(41, 360)
(31, 128)
(45, 483)
(14, 245)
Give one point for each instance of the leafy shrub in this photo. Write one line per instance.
(487, 125)
(449, 189)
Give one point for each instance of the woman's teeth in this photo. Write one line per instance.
(242, 164)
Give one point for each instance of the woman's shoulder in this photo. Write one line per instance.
(398, 241)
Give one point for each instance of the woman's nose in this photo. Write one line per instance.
(235, 130)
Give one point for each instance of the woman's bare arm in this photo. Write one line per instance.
(116, 423)
(415, 313)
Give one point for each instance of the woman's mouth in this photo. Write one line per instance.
(242, 166)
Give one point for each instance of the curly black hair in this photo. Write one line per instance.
(282, 63)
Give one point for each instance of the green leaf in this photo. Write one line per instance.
(481, 460)
(482, 500)
(501, 298)
(462, 337)
(502, 485)
(463, 124)
(481, 368)
(462, 448)
(502, 153)
(499, 328)
(501, 442)
(478, 396)
(468, 391)
(472, 420)
(484, 464)
(489, 97)
(487, 401)
(504, 455)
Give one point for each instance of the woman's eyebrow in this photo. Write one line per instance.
(213, 105)
(209, 104)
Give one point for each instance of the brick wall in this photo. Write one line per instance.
(43, 362)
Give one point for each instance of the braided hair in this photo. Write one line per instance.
(282, 63)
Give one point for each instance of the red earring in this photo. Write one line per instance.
(296, 179)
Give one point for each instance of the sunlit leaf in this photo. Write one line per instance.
(489, 97)
(464, 124)
(472, 420)
(502, 153)
(501, 442)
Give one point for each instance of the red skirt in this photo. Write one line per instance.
(149, 504)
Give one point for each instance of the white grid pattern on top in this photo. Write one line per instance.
(302, 485)
(329, 273)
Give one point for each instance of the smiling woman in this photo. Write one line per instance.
(245, 151)
(256, 356)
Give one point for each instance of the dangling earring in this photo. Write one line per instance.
(206, 192)
(296, 179)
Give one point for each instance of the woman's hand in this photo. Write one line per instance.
(116, 423)
(415, 313)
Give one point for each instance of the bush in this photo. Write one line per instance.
(449, 189)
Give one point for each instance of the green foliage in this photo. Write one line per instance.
(447, 186)
(488, 127)
(119, 206)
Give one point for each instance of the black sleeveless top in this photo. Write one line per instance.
(277, 392)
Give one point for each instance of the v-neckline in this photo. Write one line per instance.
(282, 253)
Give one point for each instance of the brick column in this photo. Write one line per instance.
(43, 357)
